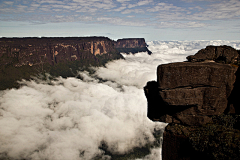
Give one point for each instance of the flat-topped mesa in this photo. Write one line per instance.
(132, 45)
(20, 58)
(33, 51)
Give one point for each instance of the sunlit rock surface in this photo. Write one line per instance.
(20, 58)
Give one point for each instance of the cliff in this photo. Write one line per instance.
(20, 58)
(33, 51)
(199, 100)
(132, 45)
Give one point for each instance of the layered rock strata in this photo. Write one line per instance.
(199, 100)
(132, 45)
(201, 89)
(33, 51)
(20, 58)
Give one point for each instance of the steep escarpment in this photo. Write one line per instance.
(33, 51)
(199, 100)
(20, 58)
(132, 45)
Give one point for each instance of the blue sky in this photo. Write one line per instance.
(151, 19)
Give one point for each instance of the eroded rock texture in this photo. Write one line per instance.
(20, 58)
(221, 54)
(34, 51)
(200, 101)
(201, 88)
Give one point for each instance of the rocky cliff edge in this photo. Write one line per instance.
(200, 101)
(20, 58)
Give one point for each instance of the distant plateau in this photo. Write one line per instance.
(21, 58)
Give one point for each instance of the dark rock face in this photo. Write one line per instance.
(221, 54)
(203, 86)
(132, 45)
(20, 58)
(213, 141)
(200, 101)
(34, 51)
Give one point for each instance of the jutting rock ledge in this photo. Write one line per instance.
(199, 100)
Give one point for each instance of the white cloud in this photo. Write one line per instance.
(144, 10)
(8, 2)
(127, 11)
(69, 118)
(122, 1)
(132, 5)
(120, 9)
(174, 24)
(144, 2)
(51, 1)
(119, 21)
(215, 11)
(165, 7)
(140, 3)
(131, 16)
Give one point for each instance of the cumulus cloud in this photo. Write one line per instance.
(8, 2)
(165, 7)
(122, 1)
(181, 24)
(195, 15)
(70, 118)
(221, 10)
(120, 21)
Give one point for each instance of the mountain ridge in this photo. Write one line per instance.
(20, 58)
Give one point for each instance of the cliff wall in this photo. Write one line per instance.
(132, 45)
(20, 58)
(200, 101)
(34, 51)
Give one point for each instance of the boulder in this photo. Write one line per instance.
(200, 89)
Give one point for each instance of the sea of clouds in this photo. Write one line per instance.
(70, 118)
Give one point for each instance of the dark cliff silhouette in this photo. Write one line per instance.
(200, 101)
(132, 45)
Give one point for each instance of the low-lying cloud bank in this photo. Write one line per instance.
(71, 118)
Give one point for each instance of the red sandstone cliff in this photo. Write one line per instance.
(22, 57)
(34, 51)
